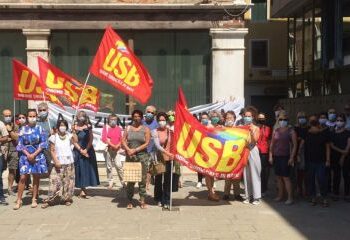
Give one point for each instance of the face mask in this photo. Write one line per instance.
(22, 121)
(322, 121)
(32, 120)
(149, 116)
(302, 121)
(261, 121)
(247, 120)
(229, 123)
(215, 120)
(7, 119)
(162, 123)
(340, 124)
(81, 119)
(62, 129)
(205, 122)
(283, 123)
(171, 118)
(332, 116)
(113, 123)
(43, 114)
(315, 122)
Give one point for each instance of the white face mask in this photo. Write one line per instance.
(62, 129)
(162, 123)
(22, 121)
(31, 120)
(229, 123)
(113, 123)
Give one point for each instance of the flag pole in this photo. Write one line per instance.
(14, 111)
(171, 185)
(82, 93)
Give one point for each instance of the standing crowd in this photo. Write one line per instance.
(308, 158)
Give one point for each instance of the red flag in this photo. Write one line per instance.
(116, 64)
(27, 85)
(181, 98)
(220, 152)
(55, 81)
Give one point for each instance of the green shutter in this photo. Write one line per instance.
(259, 11)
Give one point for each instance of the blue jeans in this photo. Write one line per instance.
(317, 171)
(1, 170)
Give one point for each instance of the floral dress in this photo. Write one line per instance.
(31, 138)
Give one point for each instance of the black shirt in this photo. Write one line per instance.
(315, 146)
(339, 140)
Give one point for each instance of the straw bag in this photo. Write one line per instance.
(132, 172)
(157, 167)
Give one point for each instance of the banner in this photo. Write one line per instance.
(56, 82)
(115, 63)
(27, 85)
(219, 153)
(98, 119)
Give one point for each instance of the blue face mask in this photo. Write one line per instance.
(205, 122)
(302, 121)
(215, 120)
(247, 120)
(43, 114)
(322, 121)
(283, 123)
(332, 116)
(149, 116)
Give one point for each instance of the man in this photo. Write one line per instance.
(9, 149)
(47, 125)
(152, 124)
(3, 140)
(332, 117)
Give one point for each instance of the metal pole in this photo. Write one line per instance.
(82, 93)
(171, 185)
(14, 111)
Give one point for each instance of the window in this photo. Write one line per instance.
(259, 54)
(259, 11)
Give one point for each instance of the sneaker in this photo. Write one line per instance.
(256, 202)
(159, 204)
(199, 185)
(166, 206)
(246, 201)
(3, 201)
(289, 202)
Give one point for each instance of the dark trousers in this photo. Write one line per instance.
(200, 177)
(316, 172)
(334, 177)
(346, 176)
(2, 160)
(265, 171)
(162, 185)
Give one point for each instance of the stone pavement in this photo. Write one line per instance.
(104, 216)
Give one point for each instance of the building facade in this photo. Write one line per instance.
(318, 68)
(197, 45)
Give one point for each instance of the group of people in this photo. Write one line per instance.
(314, 150)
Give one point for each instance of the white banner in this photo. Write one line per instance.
(98, 119)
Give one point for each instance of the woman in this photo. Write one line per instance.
(31, 144)
(301, 129)
(86, 173)
(112, 137)
(135, 141)
(62, 177)
(252, 179)
(339, 144)
(283, 149)
(162, 139)
(230, 118)
(263, 146)
(317, 158)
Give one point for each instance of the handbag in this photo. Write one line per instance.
(132, 172)
(157, 167)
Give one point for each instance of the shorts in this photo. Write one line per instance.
(281, 167)
(12, 160)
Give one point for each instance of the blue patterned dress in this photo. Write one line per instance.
(32, 138)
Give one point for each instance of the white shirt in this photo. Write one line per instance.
(63, 148)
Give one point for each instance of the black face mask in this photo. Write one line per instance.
(314, 123)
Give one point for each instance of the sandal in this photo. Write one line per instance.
(18, 205)
(34, 203)
(143, 205)
(129, 206)
(68, 203)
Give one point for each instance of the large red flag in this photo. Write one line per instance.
(55, 81)
(27, 85)
(116, 64)
(219, 152)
